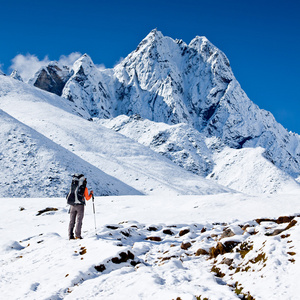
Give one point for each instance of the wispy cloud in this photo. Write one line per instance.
(27, 65)
(68, 60)
(100, 67)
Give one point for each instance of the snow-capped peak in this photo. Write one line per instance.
(166, 80)
(84, 64)
(152, 36)
(15, 74)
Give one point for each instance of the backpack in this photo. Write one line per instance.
(76, 194)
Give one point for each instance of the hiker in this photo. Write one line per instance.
(76, 198)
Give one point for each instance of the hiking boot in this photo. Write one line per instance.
(72, 238)
(79, 238)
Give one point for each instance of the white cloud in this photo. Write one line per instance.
(100, 67)
(69, 60)
(27, 65)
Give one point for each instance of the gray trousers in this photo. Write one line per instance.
(76, 216)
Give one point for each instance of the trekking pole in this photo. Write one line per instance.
(94, 214)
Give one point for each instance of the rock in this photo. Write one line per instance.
(227, 261)
(183, 232)
(124, 256)
(227, 233)
(100, 268)
(186, 246)
(46, 210)
(222, 248)
(168, 231)
(152, 228)
(51, 78)
(201, 252)
(154, 238)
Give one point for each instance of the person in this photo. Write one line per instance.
(76, 198)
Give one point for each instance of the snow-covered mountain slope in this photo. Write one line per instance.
(180, 143)
(33, 166)
(87, 90)
(166, 80)
(113, 153)
(245, 170)
(153, 248)
(248, 171)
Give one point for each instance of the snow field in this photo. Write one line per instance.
(146, 248)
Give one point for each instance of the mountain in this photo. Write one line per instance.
(51, 78)
(179, 100)
(16, 75)
(245, 170)
(63, 143)
(34, 166)
(87, 90)
(180, 143)
(169, 81)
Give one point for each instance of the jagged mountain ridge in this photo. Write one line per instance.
(166, 80)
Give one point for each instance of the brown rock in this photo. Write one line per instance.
(227, 261)
(186, 246)
(227, 233)
(168, 231)
(154, 238)
(201, 252)
(183, 232)
(222, 248)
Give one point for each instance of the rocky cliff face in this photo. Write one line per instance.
(169, 81)
(51, 78)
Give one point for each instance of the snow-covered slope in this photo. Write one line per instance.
(245, 170)
(180, 143)
(114, 154)
(153, 248)
(166, 80)
(33, 166)
(87, 90)
(248, 171)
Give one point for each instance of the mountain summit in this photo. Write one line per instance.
(169, 81)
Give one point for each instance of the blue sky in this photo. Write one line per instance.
(260, 38)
